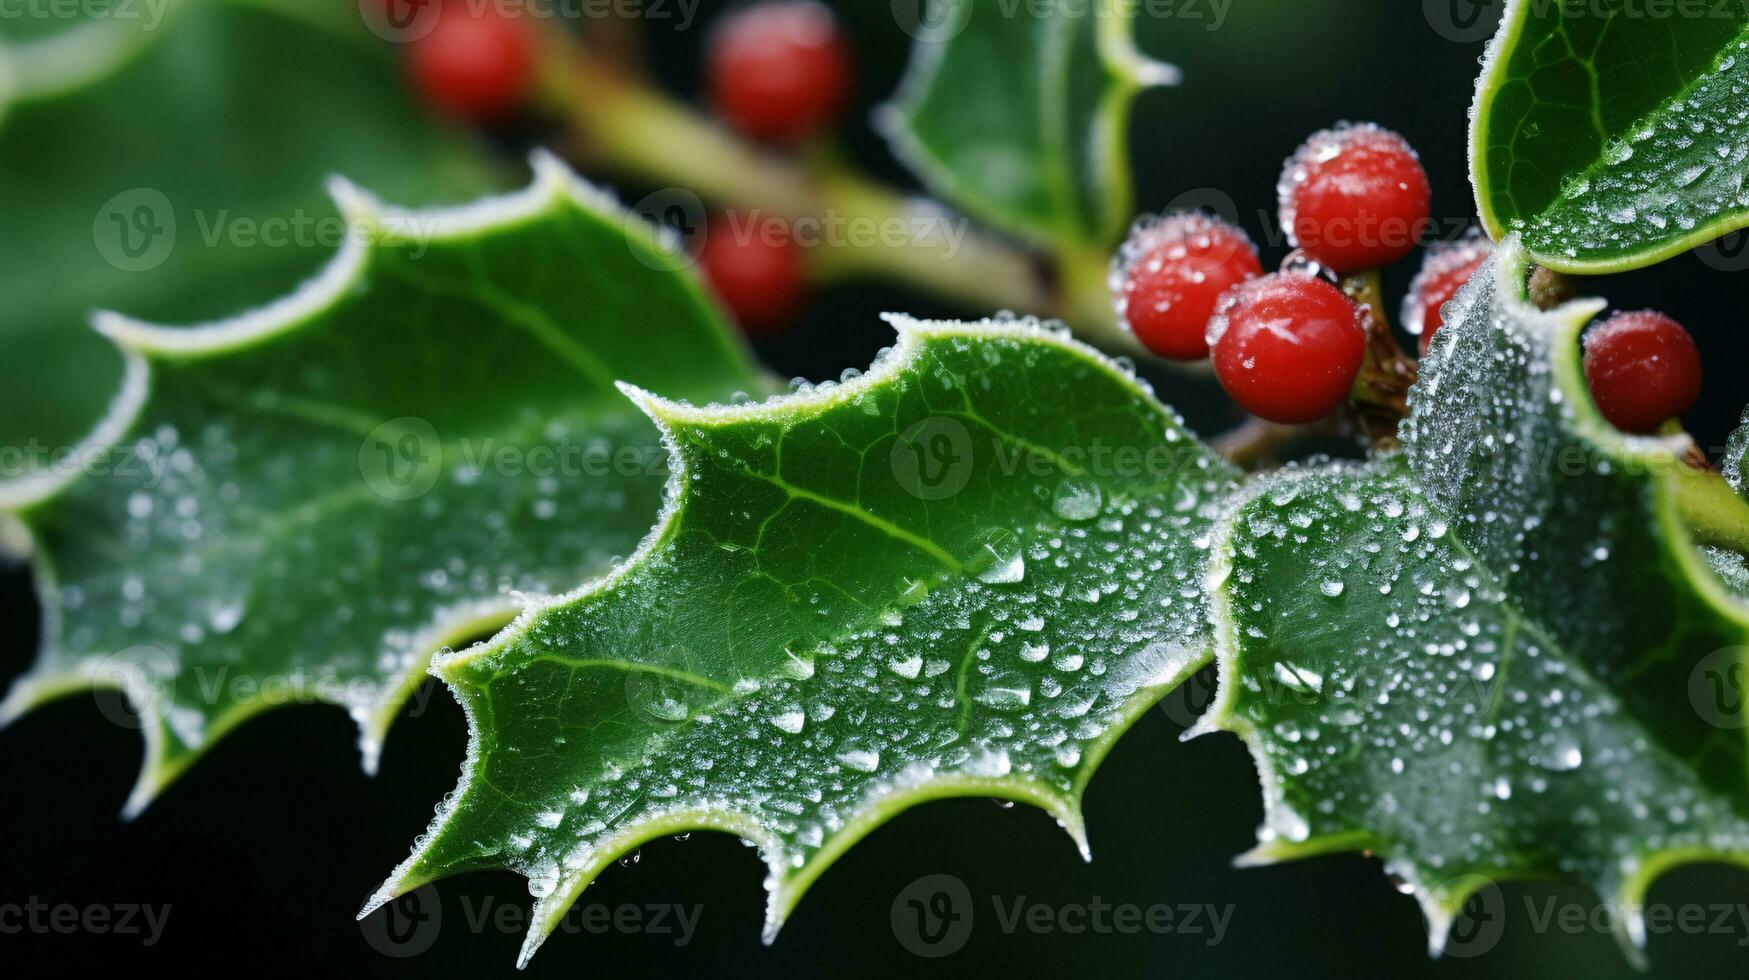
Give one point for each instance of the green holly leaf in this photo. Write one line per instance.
(1732, 565)
(305, 502)
(1611, 140)
(1021, 117)
(963, 573)
(1491, 657)
(173, 168)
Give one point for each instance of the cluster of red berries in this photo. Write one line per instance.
(1289, 346)
(778, 72)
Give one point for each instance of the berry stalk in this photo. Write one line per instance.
(1379, 401)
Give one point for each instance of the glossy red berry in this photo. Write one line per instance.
(1171, 273)
(1643, 368)
(758, 270)
(475, 62)
(1355, 198)
(779, 71)
(1288, 347)
(1444, 271)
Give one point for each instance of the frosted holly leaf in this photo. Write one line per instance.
(1399, 697)
(963, 573)
(1020, 116)
(1733, 566)
(1736, 463)
(1490, 657)
(1576, 515)
(1612, 140)
(305, 502)
(127, 181)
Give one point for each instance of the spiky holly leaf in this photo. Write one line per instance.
(1488, 658)
(305, 502)
(963, 573)
(168, 159)
(1020, 115)
(1610, 139)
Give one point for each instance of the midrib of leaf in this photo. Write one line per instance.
(509, 685)
(1535, 225)
(1663, 755)
(167, 388)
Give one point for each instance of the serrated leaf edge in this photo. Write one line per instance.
(1129, 67)
(1441, 904)
(553, 184)
(1488, 84)
(884, 801)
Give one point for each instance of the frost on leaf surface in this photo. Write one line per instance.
(963, 573)
(1486, 658)
(305, 502)
(1609, 139)
(1020, 117)
(128, 115)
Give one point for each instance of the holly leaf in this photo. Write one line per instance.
(1611, 140)
(1732, 565)
(963, 573)
(168, 159)
(1020, 116)
(304, 502)
(1496, 655)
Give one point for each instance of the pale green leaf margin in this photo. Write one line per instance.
(1632, 453)
(1481, 116)
(784, 891)
(553, 183)
(1133, 71)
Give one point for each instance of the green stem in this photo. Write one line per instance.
(874, 231)
(1713, 510)
(1380, 399)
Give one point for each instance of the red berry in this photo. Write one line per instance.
(1288, 347)
(779, 71)
(476, 63)
(1355, 197)
(757, 269)
(1444, 270)
(1643, 368)
(1169, 276)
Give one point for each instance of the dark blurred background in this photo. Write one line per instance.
(266, 849)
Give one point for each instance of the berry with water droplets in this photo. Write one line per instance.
(1444, 270)
(1643, 368)
(1355, 197)
(1287, 348)
(475, 64)
(758, 270)
(1169, 276)
(779, 71)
